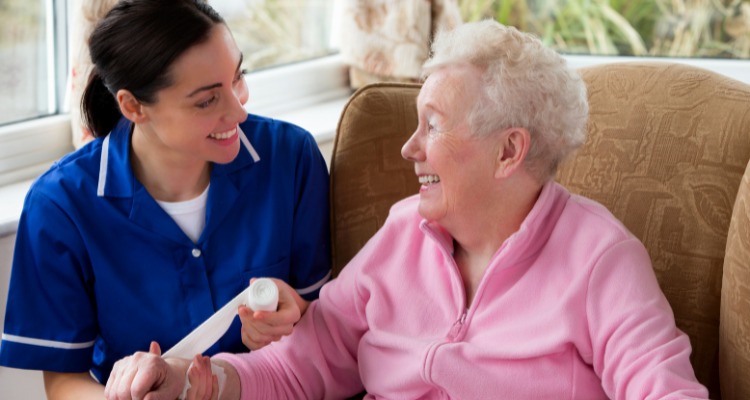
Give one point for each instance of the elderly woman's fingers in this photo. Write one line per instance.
(133, 376)
(214, 387)
(201, 379)
(119, 386)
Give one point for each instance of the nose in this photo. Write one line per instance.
(412, 149)
(236, 112)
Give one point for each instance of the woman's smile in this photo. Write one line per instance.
(428, 180)
(225, 138)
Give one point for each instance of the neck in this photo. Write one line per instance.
(485, 229)
(166, 175)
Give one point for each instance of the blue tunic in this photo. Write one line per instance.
(100, 269)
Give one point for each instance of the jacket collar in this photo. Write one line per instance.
(531, 236)
(116, 180)
(116, 177)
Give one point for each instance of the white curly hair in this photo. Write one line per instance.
(526, 85)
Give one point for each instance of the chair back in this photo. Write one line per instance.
(368, 174)
(666, 150)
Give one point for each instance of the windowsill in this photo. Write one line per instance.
(320, 119)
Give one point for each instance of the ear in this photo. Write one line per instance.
(130, 107)
(513, 147)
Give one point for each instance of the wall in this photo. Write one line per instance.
(15, 384)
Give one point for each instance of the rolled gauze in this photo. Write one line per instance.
(261, 295)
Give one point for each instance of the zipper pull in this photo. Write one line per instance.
(456, 328)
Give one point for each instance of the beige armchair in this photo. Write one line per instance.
(667, 153)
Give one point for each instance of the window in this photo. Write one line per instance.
(28, 60)
(274, 32)
(34, 62)
(679, 28)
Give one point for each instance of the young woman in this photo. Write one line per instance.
(183, 198)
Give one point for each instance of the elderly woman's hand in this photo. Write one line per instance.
(259, 328)
(143, 374)
(203, 384)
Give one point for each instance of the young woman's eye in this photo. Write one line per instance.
(240, 75)
(206, 103)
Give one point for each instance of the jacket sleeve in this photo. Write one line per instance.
(638, 351)
(311, 250)
(50, 321)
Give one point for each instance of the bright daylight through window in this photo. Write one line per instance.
(273, 32)
(25, 55)
(664, 28)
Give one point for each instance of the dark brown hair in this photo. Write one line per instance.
(133, 48)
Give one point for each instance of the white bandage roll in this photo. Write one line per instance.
(263, 295)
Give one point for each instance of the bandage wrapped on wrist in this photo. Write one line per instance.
(262, 295)
(221, 378)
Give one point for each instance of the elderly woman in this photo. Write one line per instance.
(492, 282)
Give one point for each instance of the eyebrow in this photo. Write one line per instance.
(214, 85)
(431, 105)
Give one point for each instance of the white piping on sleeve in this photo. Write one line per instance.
(316, 285)
(47, 343)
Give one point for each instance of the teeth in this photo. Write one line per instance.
(429, 179)
(223, 135)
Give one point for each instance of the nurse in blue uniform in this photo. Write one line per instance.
(183, 198)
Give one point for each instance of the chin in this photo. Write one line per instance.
(227, 156)
(428, 213)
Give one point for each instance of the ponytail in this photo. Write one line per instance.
(98, 106)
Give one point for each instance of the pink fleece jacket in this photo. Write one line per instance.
(569, 308)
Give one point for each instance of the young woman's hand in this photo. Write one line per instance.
(146, 376)
(259, 328)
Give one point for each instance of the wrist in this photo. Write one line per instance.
(178, 368)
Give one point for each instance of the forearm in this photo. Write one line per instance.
(72, 386)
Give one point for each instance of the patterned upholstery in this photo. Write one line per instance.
(734, 332)
(667, 149)
(368, 174)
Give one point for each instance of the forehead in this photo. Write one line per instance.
(207, 61)
(451, 86)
